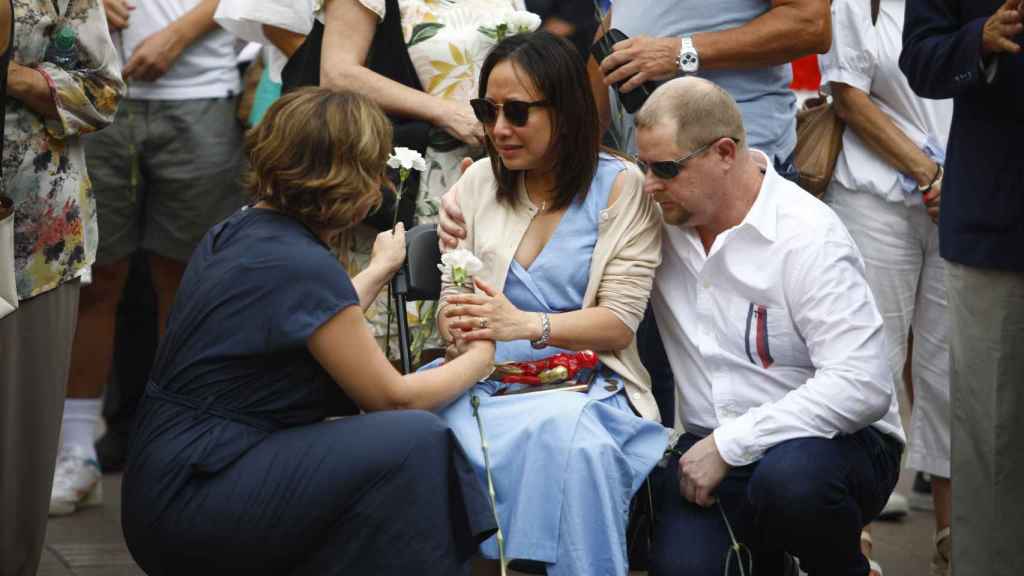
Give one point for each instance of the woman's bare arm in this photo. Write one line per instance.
(879, 132)
(345, 347)
(284, 40)
(349, 28)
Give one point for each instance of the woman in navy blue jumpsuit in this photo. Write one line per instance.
(235, 466)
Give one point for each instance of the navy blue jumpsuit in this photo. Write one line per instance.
(233, 467)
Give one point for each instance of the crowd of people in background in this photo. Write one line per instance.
(212, 175)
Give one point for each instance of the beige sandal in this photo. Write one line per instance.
(865, 538)
(940, 557)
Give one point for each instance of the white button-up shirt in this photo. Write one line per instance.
(774, 334)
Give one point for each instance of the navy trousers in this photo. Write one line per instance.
(654, 359)
(382, 494)
(809, 497)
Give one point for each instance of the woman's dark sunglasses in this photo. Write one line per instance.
(669, 169)
(516, 112)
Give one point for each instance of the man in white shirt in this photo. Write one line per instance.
(792, 423)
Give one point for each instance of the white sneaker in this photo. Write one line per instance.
(76, 481)
(895, 507)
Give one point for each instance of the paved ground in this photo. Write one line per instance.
(89, 543)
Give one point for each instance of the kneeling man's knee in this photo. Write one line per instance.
(794, 488)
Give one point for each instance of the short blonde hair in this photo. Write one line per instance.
(701, 111)
(319, 156)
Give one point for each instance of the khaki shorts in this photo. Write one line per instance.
(187, 178)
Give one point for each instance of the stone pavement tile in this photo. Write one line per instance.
(904, 547)
(50, 565)
(89, 542)
(104, 555)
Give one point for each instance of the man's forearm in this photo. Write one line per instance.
(196, 23)
(781, 35)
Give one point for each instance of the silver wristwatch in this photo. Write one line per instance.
(689, 60)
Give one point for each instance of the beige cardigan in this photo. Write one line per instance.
(627, 252)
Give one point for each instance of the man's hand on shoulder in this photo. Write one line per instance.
(640, 59)
(452, 226)
(701, 470)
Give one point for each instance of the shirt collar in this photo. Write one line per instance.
(763, 214)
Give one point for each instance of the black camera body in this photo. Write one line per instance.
(634, 99)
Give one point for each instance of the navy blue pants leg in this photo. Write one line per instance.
(654, 359)
(383, 493)
(809, 497)
(690, 540)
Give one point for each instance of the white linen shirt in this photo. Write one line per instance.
(245, 19)
(866, 57)
(774, 334)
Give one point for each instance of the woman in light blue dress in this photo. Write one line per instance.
(568, 234)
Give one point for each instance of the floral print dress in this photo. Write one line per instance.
(43, 160)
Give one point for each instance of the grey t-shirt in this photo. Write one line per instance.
(765, 100)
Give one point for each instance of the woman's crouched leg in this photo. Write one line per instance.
(372, 494)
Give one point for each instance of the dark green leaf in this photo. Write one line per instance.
(424, 31)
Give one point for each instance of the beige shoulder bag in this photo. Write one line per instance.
(819, 138)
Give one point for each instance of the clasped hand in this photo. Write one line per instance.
(155, 55)
(118, 13)
(701, 470)
(487, 316)
(637, 60)
(1001, 28)
(389, 250)
(932, 200)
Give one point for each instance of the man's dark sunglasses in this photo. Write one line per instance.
(669, 169)
(516, 112)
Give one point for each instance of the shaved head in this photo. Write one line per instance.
(700, 110)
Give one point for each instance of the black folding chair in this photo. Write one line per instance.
(418, 279)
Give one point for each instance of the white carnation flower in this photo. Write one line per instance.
(521, 21)
(459, 266)
(408, 159)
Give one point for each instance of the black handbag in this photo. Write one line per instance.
(389, 57)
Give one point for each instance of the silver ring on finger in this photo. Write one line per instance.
(483, 323)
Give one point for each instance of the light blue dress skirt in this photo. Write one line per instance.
(564, 464)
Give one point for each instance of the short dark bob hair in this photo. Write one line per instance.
(557, 70)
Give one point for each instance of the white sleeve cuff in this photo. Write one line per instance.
(844, 76)
(736, 441)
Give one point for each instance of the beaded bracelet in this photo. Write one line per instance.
(935, 180)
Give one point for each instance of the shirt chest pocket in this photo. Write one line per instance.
(767, 336)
